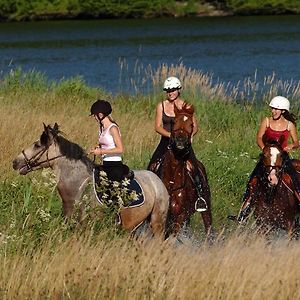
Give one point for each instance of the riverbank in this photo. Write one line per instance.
(75, 9)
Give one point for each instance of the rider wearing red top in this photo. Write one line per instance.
(280, 124)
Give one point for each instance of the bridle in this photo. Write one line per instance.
(172, 144)
(34, 162)
(278, 169)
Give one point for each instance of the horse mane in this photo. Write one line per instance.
(67, 148)
(187, 108)
(273, 142)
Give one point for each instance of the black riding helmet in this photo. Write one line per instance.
(101, 106)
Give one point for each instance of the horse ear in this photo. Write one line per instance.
(45, 127)
(55, 127)
(189, 108)
(176, 109)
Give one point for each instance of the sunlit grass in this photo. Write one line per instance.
(244, 266)
(42, 256)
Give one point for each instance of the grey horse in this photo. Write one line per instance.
(74, 171)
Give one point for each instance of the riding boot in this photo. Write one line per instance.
(200, 204)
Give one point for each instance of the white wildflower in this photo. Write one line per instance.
(45, 216)
(14, 184)
(12, 224)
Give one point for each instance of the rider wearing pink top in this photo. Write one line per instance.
(110, 143)
(107, 142)
(280, 127)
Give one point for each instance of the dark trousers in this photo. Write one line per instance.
(114, 170)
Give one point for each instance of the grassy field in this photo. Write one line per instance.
(41, 256)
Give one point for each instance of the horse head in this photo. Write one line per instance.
(273, 157)
(40, 154)
(182, 128)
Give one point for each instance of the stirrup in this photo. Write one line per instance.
(200, 208)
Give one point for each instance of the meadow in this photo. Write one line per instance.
(44, 257)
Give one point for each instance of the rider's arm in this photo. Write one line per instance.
(158, 122)
(260, 133)
(295, 141)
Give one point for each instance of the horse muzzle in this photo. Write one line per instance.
(21, 166)
(272, 178)
(181, 143)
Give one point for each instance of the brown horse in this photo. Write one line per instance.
(74, 171)
(177, 174)
(275, 203)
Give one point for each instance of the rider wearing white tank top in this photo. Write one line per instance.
(106, 141)
(110, 143)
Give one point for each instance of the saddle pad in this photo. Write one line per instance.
(135, 186)
(132, 185)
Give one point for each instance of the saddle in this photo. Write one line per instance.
(107, 196)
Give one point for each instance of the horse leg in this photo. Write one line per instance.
(158, 220)
(178, 223)
(68, 199)
(132, 217)
(207, 221)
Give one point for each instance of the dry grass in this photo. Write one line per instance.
(241, 267)
(78, 267)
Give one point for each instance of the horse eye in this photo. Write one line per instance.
(37, 144)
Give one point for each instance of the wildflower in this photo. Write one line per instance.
(14, 184)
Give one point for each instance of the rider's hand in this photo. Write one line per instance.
(96, 151)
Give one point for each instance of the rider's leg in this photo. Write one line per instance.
(247, 200)
(155, 164)
(200, 204)
(249, 193)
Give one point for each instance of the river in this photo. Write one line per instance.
(229, 48)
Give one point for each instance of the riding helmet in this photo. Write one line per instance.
(172, 83)
(101, 106)
(280, 102)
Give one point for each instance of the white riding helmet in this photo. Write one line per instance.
(280, 102)
(172, 83)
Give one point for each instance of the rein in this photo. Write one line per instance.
(33, 163)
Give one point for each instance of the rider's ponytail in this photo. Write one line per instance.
(290, 117)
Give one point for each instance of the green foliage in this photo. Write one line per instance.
(31, 81)
(267, 6)
(52, 9)
(75, 85)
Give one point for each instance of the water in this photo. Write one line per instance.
(229, 48)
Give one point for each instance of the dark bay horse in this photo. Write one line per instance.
(74, 171)
(177, 174)
(275, 204)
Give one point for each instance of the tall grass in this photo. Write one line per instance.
(44, 257)
(243, 267)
